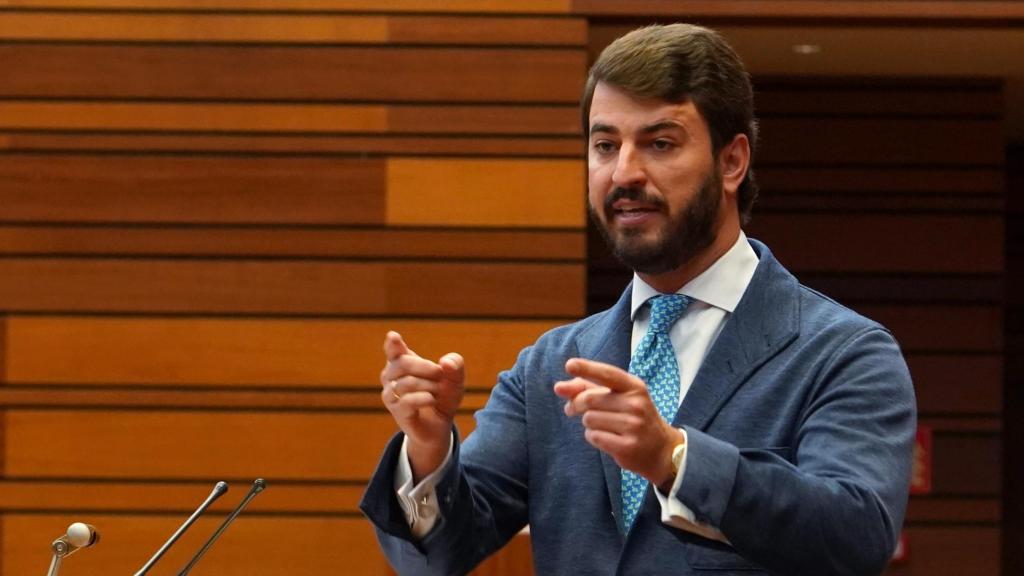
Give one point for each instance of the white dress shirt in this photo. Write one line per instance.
(715, 292)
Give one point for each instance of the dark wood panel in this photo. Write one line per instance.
(890, 141)
(958, 384)
(290, 73)
(291, 287)
(901, 181)
(924, 288)
(361, 145)
(131, 188)
(520, 31)
(950, 551)
(939, 509)
(917, 10)
(967, 464)
(883, 243)
(942, 328)
(870, 97)
(363, 243)
(413, 6)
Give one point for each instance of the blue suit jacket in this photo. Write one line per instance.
(800, 425)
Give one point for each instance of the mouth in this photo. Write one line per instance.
(629, 213)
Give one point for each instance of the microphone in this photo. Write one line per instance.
(257, 486)
(217, 492)
(78, 536)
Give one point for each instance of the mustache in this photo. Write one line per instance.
(634, 194)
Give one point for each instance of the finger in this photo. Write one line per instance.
(408, 384)
(411, 403)
(606, 375)
(395, 346)
(568, 389)
(617, 423)
(454, 368)
(582, 401)
(607, 442)
(410, 365)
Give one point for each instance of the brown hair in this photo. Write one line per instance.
(680, 63)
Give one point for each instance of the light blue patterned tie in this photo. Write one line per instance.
(655, 363)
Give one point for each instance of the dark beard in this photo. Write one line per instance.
(680, 241)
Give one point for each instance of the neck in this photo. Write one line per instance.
(671, 281)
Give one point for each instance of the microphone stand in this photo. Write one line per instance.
(218, 490)
(257, 486)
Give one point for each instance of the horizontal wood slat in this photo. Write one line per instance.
(890, 141)
(183, 397)
(950, 551)
(291, 73)
(291, 28)
(967, 464)
(311, 118)
(884, 243)
(805, 9)
(949, 510)
(458, 193)
(352, 145)
(159, 444)
(292, 287)
(280, 353)
(254, 545)
(937, 328)
(174, 497)
(890, 181)
(485, 6)
(361, 243)
(125, 188)
(879, 100)
(957, 384)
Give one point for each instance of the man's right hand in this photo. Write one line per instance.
(422, 397)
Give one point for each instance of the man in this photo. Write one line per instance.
(719, 418)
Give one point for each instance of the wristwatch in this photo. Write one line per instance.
(678, 454)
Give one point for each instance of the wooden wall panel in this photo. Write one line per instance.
(212, 211)
(420, 74)
(205, 352)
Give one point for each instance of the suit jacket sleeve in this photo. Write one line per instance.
(833, 502)
(482, 497)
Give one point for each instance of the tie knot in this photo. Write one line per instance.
(665, 310)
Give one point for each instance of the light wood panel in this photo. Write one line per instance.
(131, 188)
(255, 544)
(267, 240)
(485, 193)
(237, 352)
(417, 74)
(916, 10)
(161, 444)
(292, 287)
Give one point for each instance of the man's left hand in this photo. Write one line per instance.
(620, 418)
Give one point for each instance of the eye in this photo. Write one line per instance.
(662, 145)
(604, 146)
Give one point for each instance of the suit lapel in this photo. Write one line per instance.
(608, 341)
(764, 322)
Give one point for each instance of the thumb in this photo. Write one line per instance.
(454, 368)
(394, 346)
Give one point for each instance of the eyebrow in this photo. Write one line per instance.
(650, 129)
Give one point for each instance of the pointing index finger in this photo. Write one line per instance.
(611, 377)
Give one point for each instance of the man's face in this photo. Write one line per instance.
(654, 189)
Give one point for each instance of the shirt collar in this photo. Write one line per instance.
(721, 285)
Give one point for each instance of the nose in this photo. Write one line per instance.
(629, 169)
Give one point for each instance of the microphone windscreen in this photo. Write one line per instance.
(82, 535)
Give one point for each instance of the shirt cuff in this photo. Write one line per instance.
(419, 502)
(676, 514)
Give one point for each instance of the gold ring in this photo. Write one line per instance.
(394, 387)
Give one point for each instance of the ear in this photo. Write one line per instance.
(733, 162)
